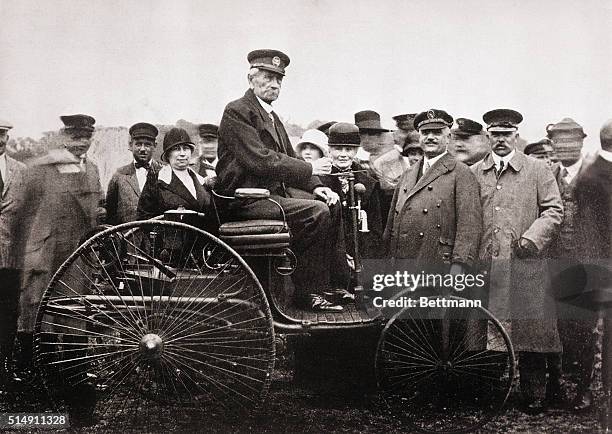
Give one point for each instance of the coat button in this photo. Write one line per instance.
(421, 234)
(496, 208)
(498, 187)
(496, 253)
(396, 212)
(405, 190)
(496, 230)
(424, 210)
(430, 187)
(438, 226)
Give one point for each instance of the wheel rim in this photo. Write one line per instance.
(444, 369)
(156, 315)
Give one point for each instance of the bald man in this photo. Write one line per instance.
(594, 197)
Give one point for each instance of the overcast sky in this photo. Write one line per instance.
(159, 61)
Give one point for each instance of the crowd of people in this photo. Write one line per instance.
(450, 195)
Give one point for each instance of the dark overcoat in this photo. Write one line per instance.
(123, 193)
(61, 203)
(164, 191)
(370, 243)
(437, 219)
(523, 202)
(256, 152)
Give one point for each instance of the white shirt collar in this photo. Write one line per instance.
(267, 107)
(433, 160)
(3, 166)
(572, 170)
(606, 155)
(506, 159)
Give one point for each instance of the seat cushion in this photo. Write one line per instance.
(252, 227)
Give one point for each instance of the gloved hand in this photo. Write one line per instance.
(524, 248)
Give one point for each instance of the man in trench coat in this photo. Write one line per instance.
(522, 213)
(61, 203)
(435, 219)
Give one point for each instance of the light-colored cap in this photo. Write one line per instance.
(316, 138)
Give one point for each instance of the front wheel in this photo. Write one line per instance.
(153, 319)
(446, 367)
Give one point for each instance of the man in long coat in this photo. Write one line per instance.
(522, 212)
(254, 151)
(128, 181)
(61, 203)
(11, 257)
(435, 218)
(594, 197)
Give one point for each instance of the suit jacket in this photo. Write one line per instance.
(370, 243)
(164, 191)
(123, 193)
(255, 152)
(435, 219)
(10, 252)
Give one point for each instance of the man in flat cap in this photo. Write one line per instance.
(207, 150)
(522, 215)
(127, 182)
(469, 142)
(568, 250)
(254, 151)
(11, 256)
(435, 216)
(61, 203)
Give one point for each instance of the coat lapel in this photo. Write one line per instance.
(267, 122)
(132, 180)
(10, 168)
(445, 164)
(177, 187)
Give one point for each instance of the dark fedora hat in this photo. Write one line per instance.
(369, 121)
(175, 137)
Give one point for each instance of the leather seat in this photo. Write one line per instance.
(255, 234)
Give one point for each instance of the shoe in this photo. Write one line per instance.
(319, 304)
(340, 296)
(555, 398)
(533, 407)
(583, 401)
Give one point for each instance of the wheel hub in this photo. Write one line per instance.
(151, 346)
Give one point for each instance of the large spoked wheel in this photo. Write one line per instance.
(154, 319)
(444, 369)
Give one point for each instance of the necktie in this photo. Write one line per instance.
(1, 184)
(139, 164)
(499, 171)
(426, 167)
(564, 175)
(82, 163)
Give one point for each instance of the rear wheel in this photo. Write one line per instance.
(444, 369)
(153, 319)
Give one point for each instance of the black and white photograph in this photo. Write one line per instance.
(309, 216)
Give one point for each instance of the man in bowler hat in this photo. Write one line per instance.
(254, 151)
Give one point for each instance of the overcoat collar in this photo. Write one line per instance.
(517, 162)
(445, 164)
(267, 122)
(168, 180)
